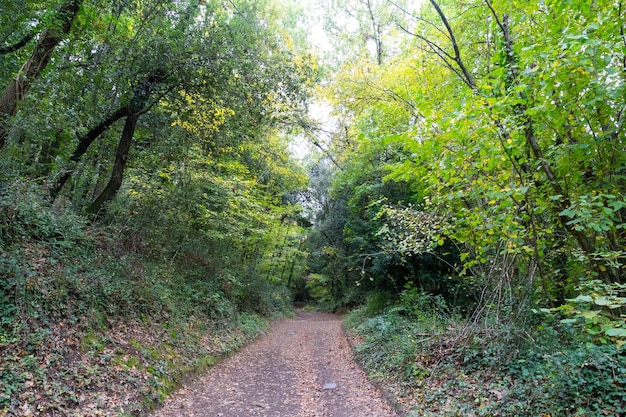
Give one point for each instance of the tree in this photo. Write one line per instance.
(222, 67)
(504, 159)
(36, 63)
(362, 29)
(499, 136)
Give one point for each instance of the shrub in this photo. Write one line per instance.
(415, 349)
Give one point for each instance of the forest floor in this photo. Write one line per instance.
(302, 367)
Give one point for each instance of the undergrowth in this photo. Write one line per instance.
(424, 355)
(88, 327)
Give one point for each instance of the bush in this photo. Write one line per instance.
(83, 314)
(415, 349)
(430, 310)
(394, 339)
(318, 289)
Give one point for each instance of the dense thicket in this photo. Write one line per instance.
(478, 180)
(471, 187)
(488, 144)
(145, 178)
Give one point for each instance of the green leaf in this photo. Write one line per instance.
(589, 314)
(582, 299)
(567, 212)
(602, 301)
(615, 332)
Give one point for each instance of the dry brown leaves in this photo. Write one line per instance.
(284, 374)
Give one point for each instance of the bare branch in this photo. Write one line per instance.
(326, 152)
(467, 77)
(495, 15)
(378, 37)
(440, 52)
(418, 18)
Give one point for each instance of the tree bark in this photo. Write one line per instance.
(466, 77)
(17, 89)
(377, 36)
(121, 157)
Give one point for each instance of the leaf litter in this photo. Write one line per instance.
(288, 372)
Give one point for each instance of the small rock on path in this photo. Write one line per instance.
(283, 374)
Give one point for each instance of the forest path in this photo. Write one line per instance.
(302, 367)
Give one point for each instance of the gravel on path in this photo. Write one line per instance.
(302, 367)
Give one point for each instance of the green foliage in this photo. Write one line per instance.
(508, 171)
(423, 363)
(34, 238)
(555, 378)
(396, 336)
(203, 241)
(597, 311)
(483, 162)
(85, 291)
(377, 302)
(318, 288)
(423, 307)
(26, 214)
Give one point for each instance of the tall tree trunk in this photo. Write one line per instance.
(17, 89)
(121, 157)
(377, 35)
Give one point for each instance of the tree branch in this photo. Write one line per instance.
(467, 77)
(440, 52)
(36, 63)
(84, 142)
(18, 45)
(508, 42)
(416, 17)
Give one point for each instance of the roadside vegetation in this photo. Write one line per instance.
(93, 326)
(148, 224)
(473, 206)
(434, 362)
(464, 196)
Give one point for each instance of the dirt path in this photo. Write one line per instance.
(302, 368)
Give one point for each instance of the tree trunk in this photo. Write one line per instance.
(121, 157)
(84, 142)
(137, 105)
(17, 89)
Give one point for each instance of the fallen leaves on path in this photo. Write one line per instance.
(302, 368)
